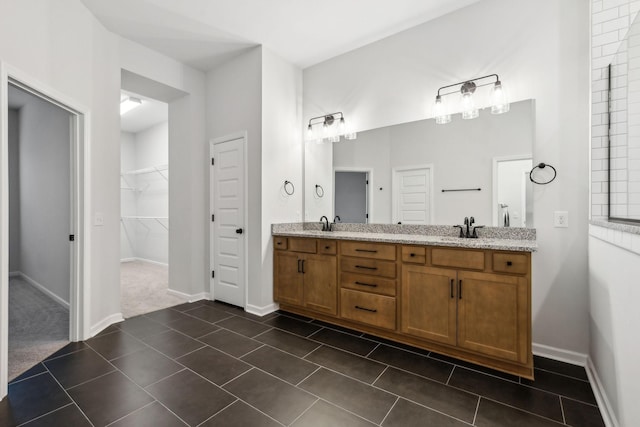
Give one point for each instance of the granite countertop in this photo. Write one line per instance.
(525, 244)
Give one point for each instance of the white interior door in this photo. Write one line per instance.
(412, 195)
(228, 216)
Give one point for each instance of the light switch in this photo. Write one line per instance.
(561, 219)
(98, 219)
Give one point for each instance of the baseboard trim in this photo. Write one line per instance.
(127, 259)
(606, 410)
(189, 297)
(261, 311)
(14, 274)
(560, 354)
(163, 264)
(105, 323)
(41, 288)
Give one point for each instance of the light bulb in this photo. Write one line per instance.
(350, 135)
(310, 135)
(469, 110)
(440, 112)
(499, 102)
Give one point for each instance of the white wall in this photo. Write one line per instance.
(541, 51)
(614, 255)
(45, 199)
(66, 49)
(183, 88)
(281, 156)
(614, 292)
(14, 191)
(234, 104)
(462, 145)
(128, 196)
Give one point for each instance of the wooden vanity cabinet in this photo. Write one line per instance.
(472, 304)
(303, 278)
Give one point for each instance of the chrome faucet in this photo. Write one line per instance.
(325, 224)
(334, 222)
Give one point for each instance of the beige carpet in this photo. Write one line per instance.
(38, 326)
(144, 288)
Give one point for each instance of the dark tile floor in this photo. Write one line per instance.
(212, 364)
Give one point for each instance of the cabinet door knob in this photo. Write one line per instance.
(412, 254)
(509, 263)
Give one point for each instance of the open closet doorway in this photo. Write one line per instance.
(144, 184)
(41, 221)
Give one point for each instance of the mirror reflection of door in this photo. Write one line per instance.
(412, 191)
(514, 193)
(350, 193)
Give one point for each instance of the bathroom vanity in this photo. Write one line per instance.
(465, 298)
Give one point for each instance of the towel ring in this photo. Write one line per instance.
(319, 190)
(542, 166)
(293, 188)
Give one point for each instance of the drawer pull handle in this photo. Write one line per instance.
(371, 310)
(451, 288)
(366, 268)
(509, 263)
(278, 243)
(366, 284)
(299, 266)
(459, 289)
(412, 254)
(327, 247)
(371, 251)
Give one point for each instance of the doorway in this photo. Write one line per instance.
(351, 196)
(41, 224)
(227, 201)
(412, 195)
(144, 204)
(512, 192)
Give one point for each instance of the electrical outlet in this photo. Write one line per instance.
(561, 219)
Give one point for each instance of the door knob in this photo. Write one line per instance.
(239, 230)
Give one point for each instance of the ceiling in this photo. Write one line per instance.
(150, 113)
(206, 33)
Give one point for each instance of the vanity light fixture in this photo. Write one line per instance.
(128, 104)
(333, 127)
(467, 89)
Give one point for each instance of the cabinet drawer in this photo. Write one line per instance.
(414, 254)
(363, 307)
(471, 260)
(510, 263)
(368, 266)
(376, 285)
(302, 245)
(280, 243)
(368, 250)
(327, 247)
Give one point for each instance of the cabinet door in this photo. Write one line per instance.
(493, 313)
(287, 283)
(429, 303)
(320, 283)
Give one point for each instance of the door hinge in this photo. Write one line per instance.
(212, 218)
(72, 237)
(367, 182)
(212, 161)
(213, 274)
(366, 215)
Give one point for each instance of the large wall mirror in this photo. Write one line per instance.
(623, 165)
(424, 173)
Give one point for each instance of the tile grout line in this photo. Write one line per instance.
(564, 418)
(68, 395)
(137, 410)
(475, 415)
(235, 378)
(372, 350)
(216, 413)
(519, 409)
(450, 375)
(381, 373)
(389, 411)
(305, 378)
(304, 412)
(50, 412)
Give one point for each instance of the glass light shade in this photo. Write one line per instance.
(350, 135)
(342, 127)
(440, 113)
(310, 133)
(334, 138)
(469, 110)
(499, 103)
